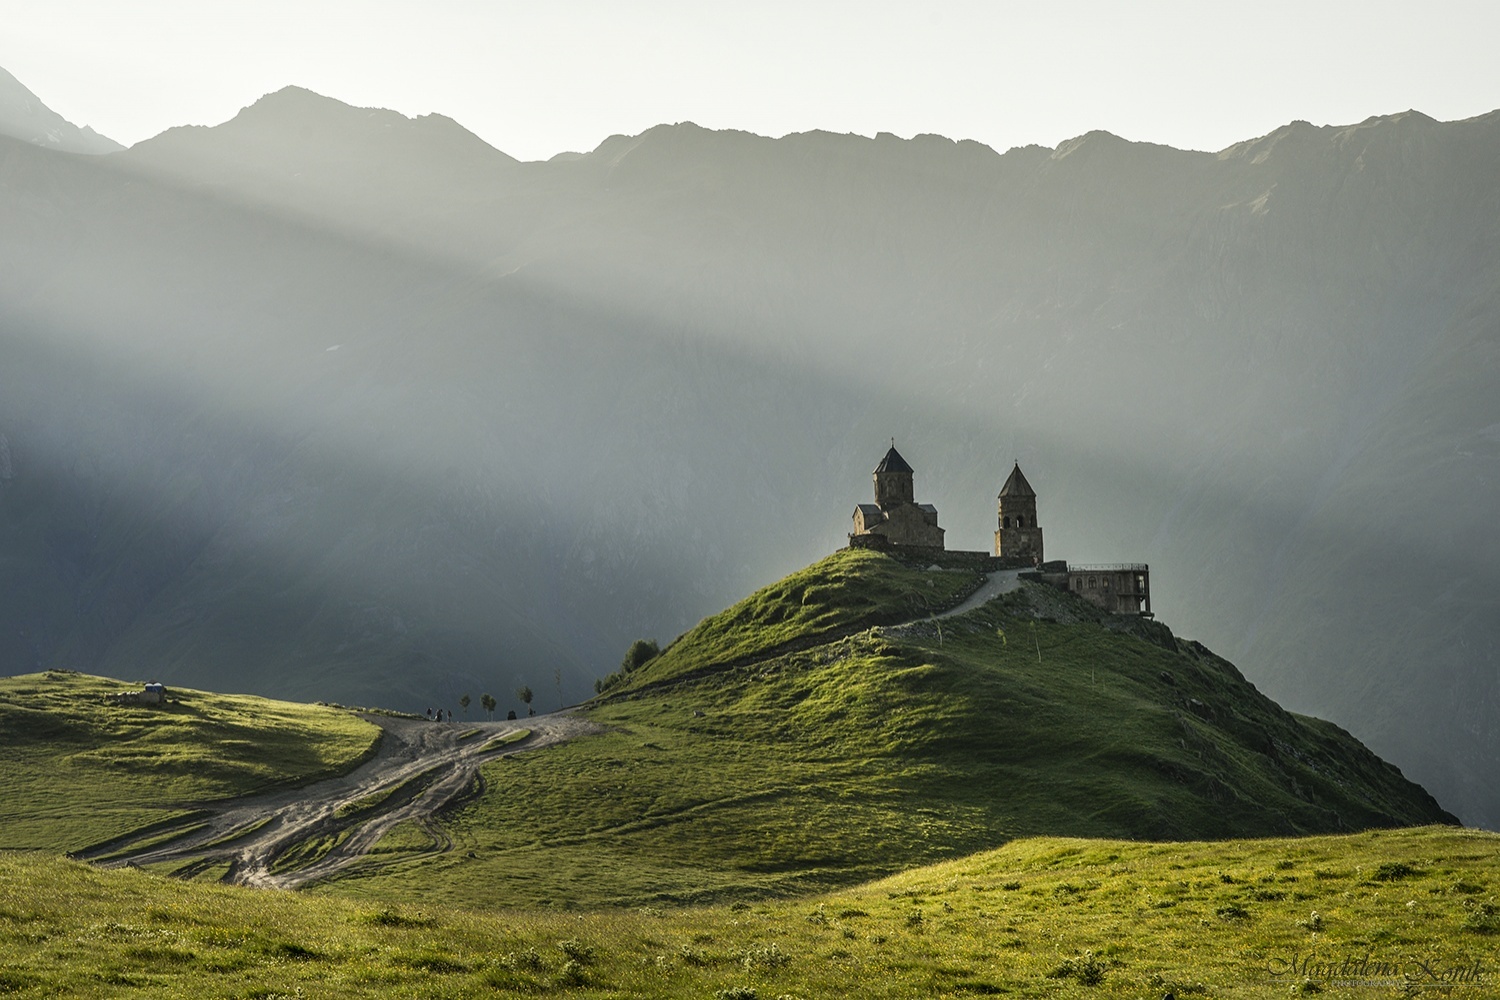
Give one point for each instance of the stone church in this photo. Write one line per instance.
(895, 518)
(895, 521)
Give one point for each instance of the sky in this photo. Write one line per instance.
(546, 76)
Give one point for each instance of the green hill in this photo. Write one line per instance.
(833, 728)
(792, 744)
(1043, 917)
(76, 769)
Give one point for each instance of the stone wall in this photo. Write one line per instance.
(927, 555)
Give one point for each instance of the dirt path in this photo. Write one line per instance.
(999, 582)
(286, 838)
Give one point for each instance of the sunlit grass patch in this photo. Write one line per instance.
(77, 769)
(954, 929)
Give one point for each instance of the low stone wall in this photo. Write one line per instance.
(928, 555)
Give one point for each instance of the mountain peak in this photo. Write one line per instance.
(296, 112)
(300, 135)
(1091, 140)
(24, 116)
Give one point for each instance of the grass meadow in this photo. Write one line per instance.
(1376, 914)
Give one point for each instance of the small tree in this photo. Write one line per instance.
(640, 652)
(488, 701)
(524, 693)
(463, 703)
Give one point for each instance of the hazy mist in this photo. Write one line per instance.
(330, 403)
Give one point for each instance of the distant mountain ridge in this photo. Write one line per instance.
(23, 116)
(386, 411)
(297, 131)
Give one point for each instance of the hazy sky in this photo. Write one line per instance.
(549, 75)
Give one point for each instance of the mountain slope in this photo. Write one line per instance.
(841, 751)
(23, 116)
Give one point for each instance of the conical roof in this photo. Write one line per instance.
(1016, 485)
(893, 462)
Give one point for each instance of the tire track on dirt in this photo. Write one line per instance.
(288, 838)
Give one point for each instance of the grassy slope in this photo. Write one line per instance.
(76, 770)
(892, 748)
(1042, 917)
(846, 591)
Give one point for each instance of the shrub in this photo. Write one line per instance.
(694, 957)
(528, 959)
(1394, 871)
(764, 957)
(1089, 969)
(1483, 919)
(571, 973)
(641, 652)
(1234, 911)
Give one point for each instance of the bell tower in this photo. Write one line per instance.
(893, 481)
(1019, 536)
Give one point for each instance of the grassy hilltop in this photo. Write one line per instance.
(794, 744)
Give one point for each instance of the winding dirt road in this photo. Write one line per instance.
(288, 837)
